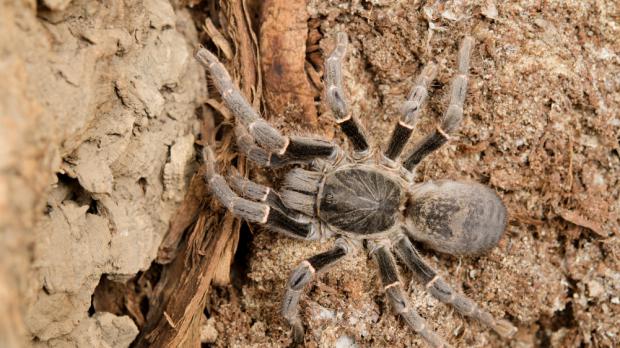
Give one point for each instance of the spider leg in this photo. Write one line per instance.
(442, 291)
(394, 292)
(299, 150)
(298, 194)
(259, 130)
(453, 115)
(336, 99)
(410, 111)
(260, 193)
(255, 153)
(259, 212)
(303, 274)
(300, 189)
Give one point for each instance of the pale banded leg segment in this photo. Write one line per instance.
(442, 291)
(336, 98)
(299, 150)
(302, 180)
(258, 212)
(396, 295)
(263, 133)
(451, 119)
(300, 277)
(254, 153)
(260, 193)
(410, 111)
(297, 195)
(300, 189)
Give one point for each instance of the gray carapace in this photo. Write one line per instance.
(359, 200)
(365, 198)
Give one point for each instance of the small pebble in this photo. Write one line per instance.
(345, 342)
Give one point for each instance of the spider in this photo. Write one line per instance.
(366, 198)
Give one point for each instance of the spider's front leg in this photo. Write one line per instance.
(299, 150)
(336, 98)
(301, 276)
(442, 291)
(396, 295)
(273, 148)
(410, 111)
(451, 119)
(260, 212)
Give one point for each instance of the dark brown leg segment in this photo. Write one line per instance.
(394, 292)
(307, 149)
(353, 130)
(335, 96)
(410, 111)
(423, 148)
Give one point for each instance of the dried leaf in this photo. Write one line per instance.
(223, 110)
(218, 39)
(578, 219)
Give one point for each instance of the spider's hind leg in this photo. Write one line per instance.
(410, 111)
(273, 148)
(299, 150)
(397, 297)
(442, 291)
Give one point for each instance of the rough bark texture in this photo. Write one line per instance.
(283, 36)
(102, 104)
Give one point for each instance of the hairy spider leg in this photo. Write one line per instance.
(394, 292)
(303, 274)
(259, 130)
(299, 150)
(336, 98)
(259, 193)
(442, 291)
(259, 212)
(410, 111)
(451, 119)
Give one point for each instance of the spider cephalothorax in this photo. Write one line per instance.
(366, 196)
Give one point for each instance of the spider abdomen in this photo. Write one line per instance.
(455, 217)
(359, 200)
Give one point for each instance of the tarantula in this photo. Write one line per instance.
(366, 198)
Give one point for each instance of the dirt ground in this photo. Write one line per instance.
(103, 111)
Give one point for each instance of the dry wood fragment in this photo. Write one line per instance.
(218, 39)
(283, 35)
(200, 245)
(176, 309)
